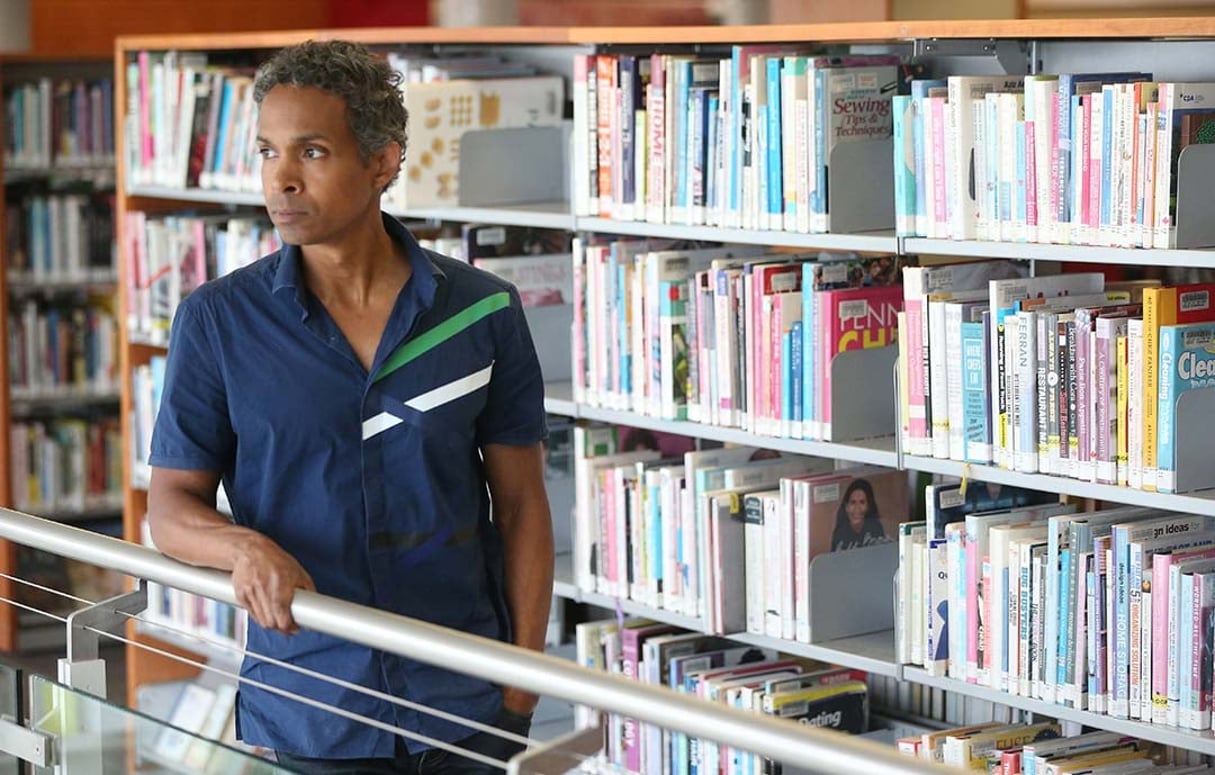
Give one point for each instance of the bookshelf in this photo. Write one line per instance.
(74, 178)
(1166, 46)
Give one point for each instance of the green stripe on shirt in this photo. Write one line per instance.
(442, 332)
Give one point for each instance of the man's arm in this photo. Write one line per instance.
(520, 511)
(186, 526)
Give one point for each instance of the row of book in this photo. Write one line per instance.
(57, 350)
(192, 124)
(60, 122)
(147, 382)
(1040, 749)
(1108, 610)
(1087, 159)
(725, 535)
(1064, 374)
(193, 616)
(169, 256)
(739, 141)
(65, 465)
(60, 237)
(736, 336)
(715, 670)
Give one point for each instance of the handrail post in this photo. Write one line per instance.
(83, 668)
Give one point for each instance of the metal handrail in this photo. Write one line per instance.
(805, 747)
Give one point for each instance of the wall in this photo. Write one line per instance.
(957, 9)
(77, 28)
(801, 12)
(613, 13)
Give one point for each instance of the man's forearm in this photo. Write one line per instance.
(528, 550)
(186, 526)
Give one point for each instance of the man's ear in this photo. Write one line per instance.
(387, 163)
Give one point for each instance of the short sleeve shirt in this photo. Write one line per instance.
(372, 480)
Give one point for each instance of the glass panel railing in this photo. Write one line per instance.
(100, 738)
(10, 708)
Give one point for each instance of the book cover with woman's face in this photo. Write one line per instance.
(857, 512)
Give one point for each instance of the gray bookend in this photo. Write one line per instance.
(851, 592)
(503, 167)
(862, 400)
(860, 188)
(1194, 221)
(1194, 425)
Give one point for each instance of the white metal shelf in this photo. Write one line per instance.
(1201, 502)
(559, 399)
(633, 608)
(873, 242)
(1201, 742)
(145, 339)
(565, 587)
(111, 506)
(24, 282)
(563, 577)
(873, 652)
(201, 195)
(25, 399)
(539, 215)
(543, 215)
(872, 451)
(1092, 254)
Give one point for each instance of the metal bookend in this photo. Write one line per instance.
(560, 755)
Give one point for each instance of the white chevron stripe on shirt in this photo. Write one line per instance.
(380, 423)
(431, 399)
(451, 391)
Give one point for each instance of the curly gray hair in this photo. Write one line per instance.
(375, 109)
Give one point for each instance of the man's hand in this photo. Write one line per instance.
(264, 578)
(518, 701)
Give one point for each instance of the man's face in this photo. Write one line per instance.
(316, 185)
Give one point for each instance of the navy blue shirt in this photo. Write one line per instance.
(373, 481)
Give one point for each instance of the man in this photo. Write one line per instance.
(364, 402)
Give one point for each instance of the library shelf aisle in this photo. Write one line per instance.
(1092, 43)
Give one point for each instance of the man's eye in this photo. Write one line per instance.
(314, 153)
(265, 153)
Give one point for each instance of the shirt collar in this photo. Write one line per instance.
(425, 277)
